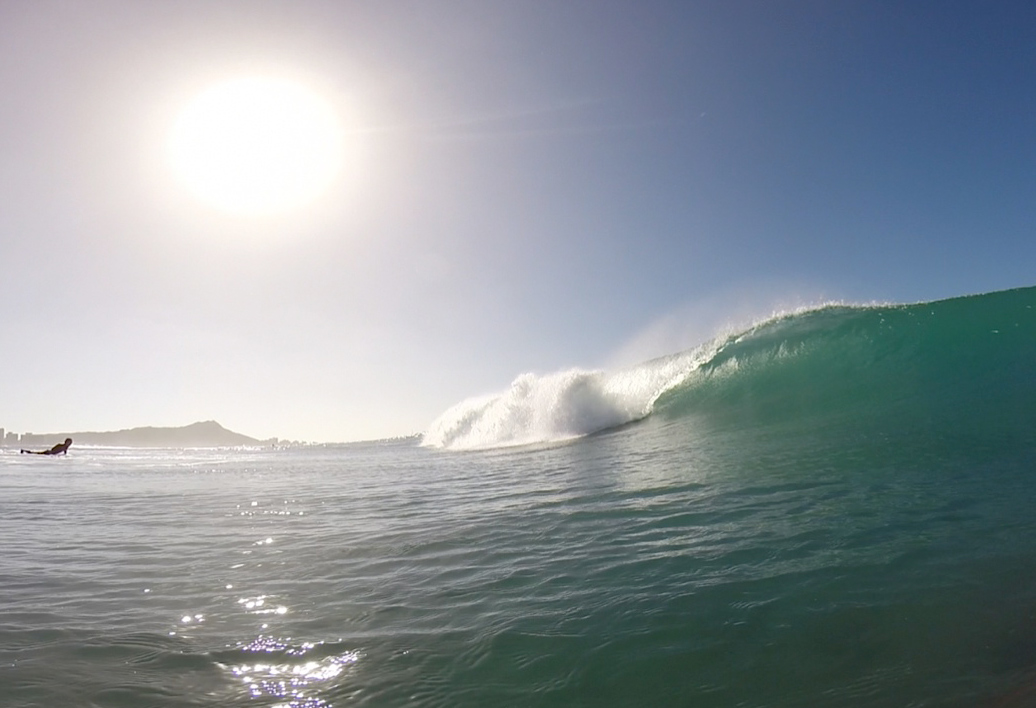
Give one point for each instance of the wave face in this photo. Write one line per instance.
(964, 364)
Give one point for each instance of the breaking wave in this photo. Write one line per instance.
(942, 361)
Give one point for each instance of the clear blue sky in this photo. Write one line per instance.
(532, 185)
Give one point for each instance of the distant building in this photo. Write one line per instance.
(3, 440)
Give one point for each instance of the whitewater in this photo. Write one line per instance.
(829, 508)
(559, 406)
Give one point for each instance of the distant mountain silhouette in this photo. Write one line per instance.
(204, 434)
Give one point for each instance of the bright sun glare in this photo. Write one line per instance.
(257, 146)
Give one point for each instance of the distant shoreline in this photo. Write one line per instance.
(205, 434)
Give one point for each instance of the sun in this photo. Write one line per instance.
(256, 146)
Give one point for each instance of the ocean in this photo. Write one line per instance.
(834, 507)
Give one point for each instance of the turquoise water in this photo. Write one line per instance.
(833, 508)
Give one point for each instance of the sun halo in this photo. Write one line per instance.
(256, 146)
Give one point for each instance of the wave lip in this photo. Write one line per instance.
(559, 406)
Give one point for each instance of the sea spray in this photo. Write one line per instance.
(560, 406)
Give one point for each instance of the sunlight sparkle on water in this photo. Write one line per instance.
(288, 680)
(257, 606)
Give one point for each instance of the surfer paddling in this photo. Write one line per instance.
(59, 449)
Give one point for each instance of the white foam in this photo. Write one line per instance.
(559, 406)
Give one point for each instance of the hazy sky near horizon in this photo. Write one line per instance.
(527, 185)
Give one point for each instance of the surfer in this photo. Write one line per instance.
(59, 449)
